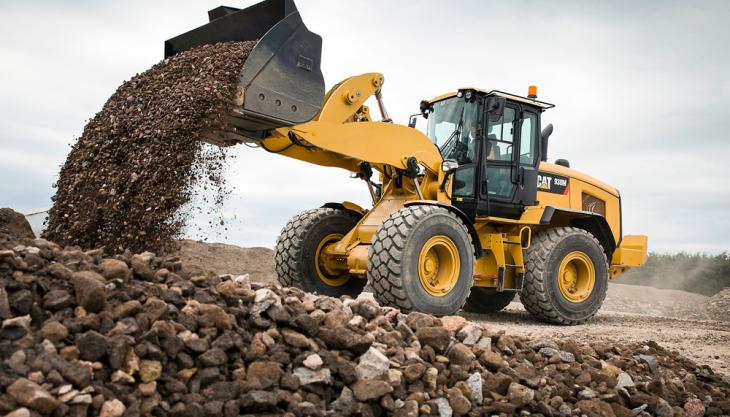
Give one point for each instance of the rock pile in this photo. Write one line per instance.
(718, 306)
(138, 160)
(136, 335)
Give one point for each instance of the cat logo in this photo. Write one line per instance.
(543, 182)
(552, 183)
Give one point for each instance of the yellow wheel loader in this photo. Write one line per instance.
(464, 216)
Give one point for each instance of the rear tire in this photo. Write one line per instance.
(488, 300)
(296, 254)
(575, 253)
(422, 259)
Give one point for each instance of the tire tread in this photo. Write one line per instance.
(534, 295)
(386, 253)
(289, 244)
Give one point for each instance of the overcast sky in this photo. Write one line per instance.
(642, 92)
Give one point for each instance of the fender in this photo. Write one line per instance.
(461, 215)
(586, 220)
(347, 206)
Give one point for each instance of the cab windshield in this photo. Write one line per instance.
(452, 128)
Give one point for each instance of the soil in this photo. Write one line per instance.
(220, 259)
(128, 178)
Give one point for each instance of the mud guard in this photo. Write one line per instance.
(347, 206)
(593, 223)
(461, 215)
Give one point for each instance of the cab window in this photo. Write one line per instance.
(500, 137)
(528, 139)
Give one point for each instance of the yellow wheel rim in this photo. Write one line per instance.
(320, 263)
(438, 266)
(576, 277)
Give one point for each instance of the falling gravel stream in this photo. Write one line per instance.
(128, 178)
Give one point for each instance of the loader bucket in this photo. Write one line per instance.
(281, 83)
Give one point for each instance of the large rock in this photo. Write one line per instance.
(92, 345)
(475, 383)
(213, 357)
(344, 338)
(90, 290)
(257, 401)
(32, 395)
(372, 364)
(113, 408)
(694, 408)
(595, 408)
(519, 394)
(453, 323)
(308, 376)
(458, 402)
(114, 269)
(15, 224)
(265, 370)
(460, 354)
(436, 337)
(470, 334)
(368, 390)
(54, 331)
(150, 370)
(492, 360)
(216, 315)
(313, 361)
(443, 407)
(55, 300)
(346, 403)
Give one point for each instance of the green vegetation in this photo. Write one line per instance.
(699, 273)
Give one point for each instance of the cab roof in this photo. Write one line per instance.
(541, 104)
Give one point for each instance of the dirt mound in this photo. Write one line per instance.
(138, 160)
(718, 306)
(221, 259)
(137, 335)
(15, 224)
(655, 302)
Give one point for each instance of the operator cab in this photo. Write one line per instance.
(492, 141)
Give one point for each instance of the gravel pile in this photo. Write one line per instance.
(136, 335)
(718, 306)
(138, 161)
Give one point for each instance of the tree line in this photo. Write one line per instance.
(698, 273)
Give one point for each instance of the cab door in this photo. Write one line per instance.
(508, 180)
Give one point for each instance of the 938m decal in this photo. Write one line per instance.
(552, 183)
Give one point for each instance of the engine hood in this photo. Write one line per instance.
(572, 173)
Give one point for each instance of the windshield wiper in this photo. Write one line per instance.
(455, 134)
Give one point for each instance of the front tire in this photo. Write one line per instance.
(487, 300)
(422, 259)
(567, 276)
(298, 248)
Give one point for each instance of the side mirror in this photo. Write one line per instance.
(413, 120)
(425, 108)
(495, 108)
(449, 166)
